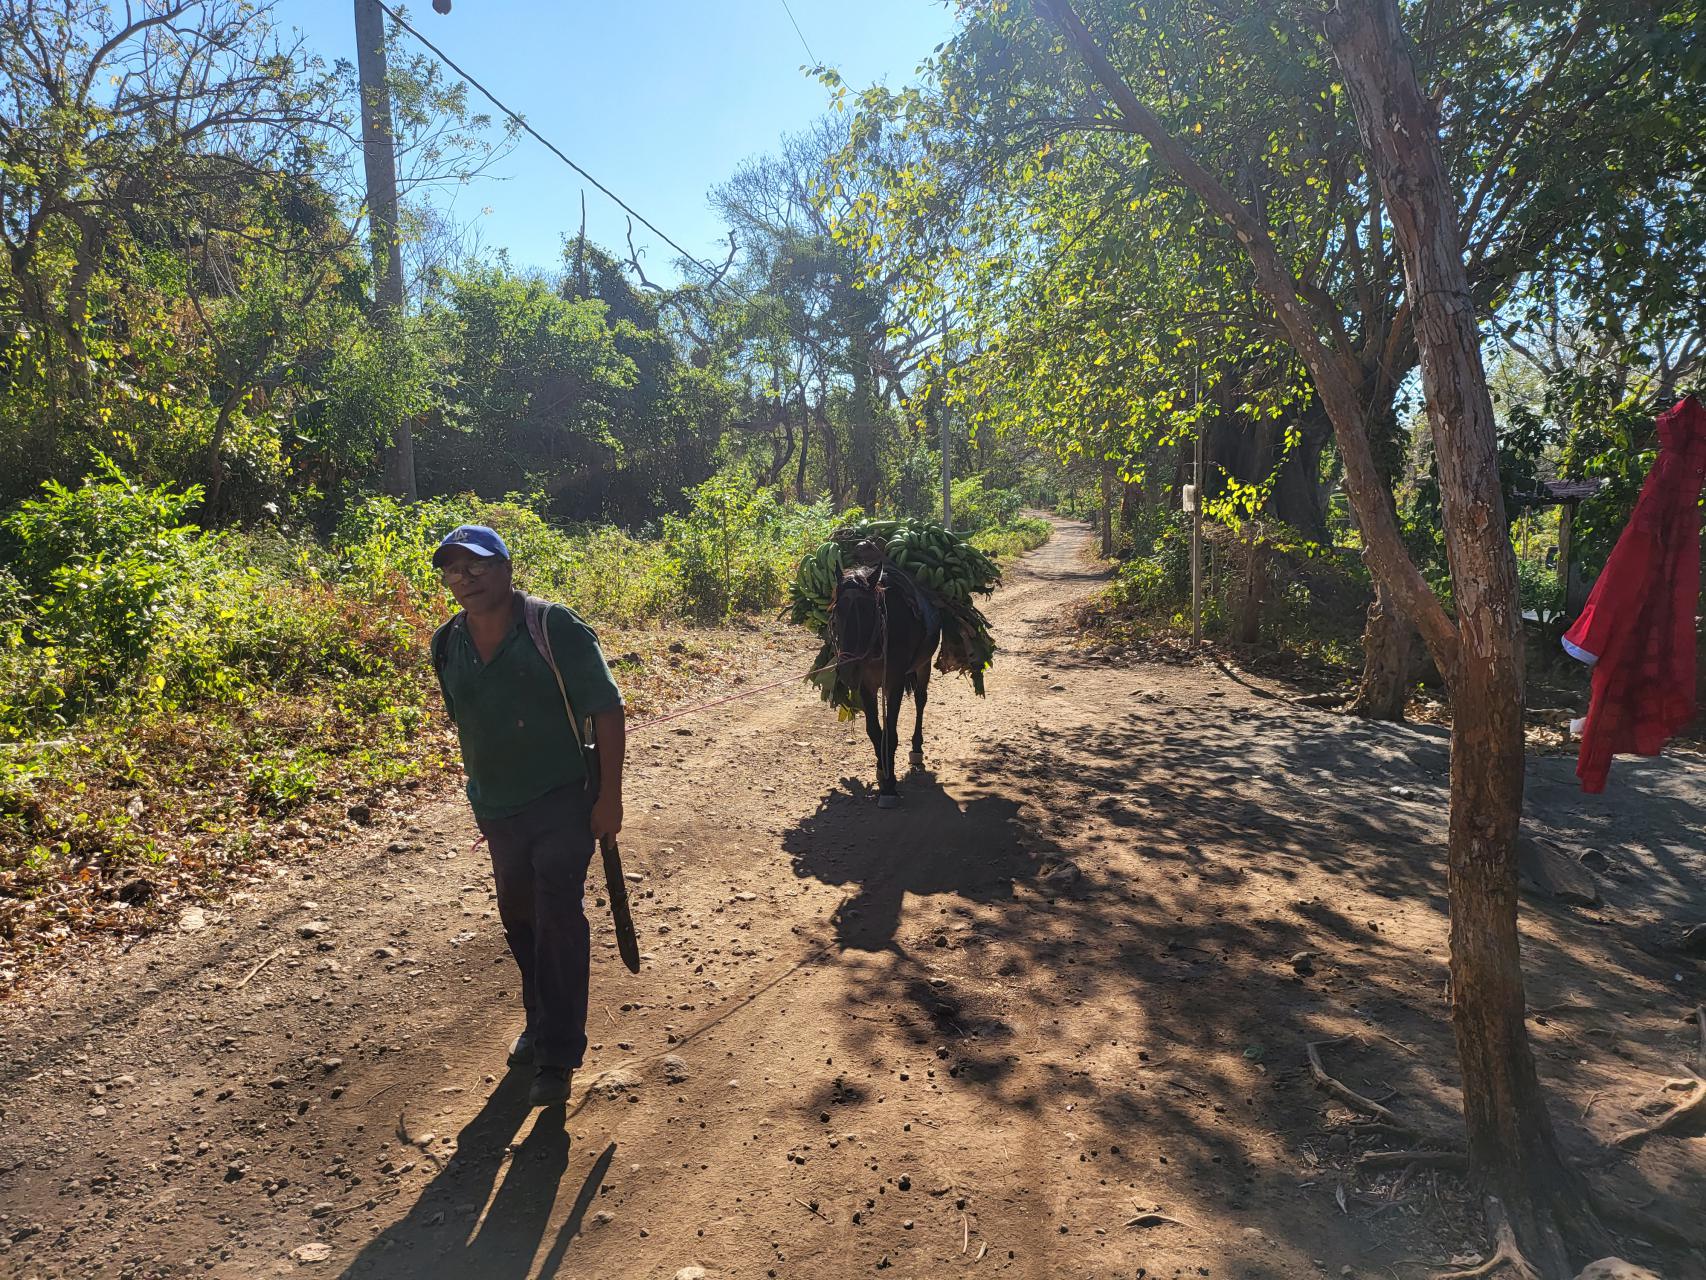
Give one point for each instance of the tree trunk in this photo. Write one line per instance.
(1107, 509)
(805, 449)
(1511, 1143)
(1389, 660)
(1247, 624)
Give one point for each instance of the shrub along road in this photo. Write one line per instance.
(1047, 1019)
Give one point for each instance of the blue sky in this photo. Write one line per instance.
(658, 99)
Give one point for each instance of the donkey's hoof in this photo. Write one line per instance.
(888, 802)
(917, 759)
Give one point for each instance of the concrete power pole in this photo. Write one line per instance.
(380, 161)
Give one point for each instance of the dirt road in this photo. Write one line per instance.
(1057, 991)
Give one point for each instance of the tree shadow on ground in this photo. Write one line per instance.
(489, 1210)
(1131, 895)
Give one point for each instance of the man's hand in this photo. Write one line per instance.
(610, 731)
(606, 817)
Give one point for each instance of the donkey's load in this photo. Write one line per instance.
(947, 569)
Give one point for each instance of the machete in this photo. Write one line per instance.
(626, 943)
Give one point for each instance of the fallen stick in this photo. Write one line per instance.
(1700, 1053)
(1454, 1160)
(260, 964)
(1678, 1115)
(1597, 1095)
(965, 1233)
(810, 1208)
(981, 1250)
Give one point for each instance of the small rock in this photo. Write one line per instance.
(314, 929)
(1594, 860)
(604, 1217)
(321, 1210)
(675, 1070)
(1303, 963)
(1402, 793)
(192, 919)
(694, 1272)
(315, 1252)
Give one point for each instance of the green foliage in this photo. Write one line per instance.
(97, 563)
(976, 508)
(1003, 542)
(737, 546)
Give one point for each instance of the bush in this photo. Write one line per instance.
(976, 508)
(95, 566)
(738, 545)
(1024, 534)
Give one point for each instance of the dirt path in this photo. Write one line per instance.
(982, 1033)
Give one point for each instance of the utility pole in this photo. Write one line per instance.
(946, 434)
(1196, 521)
(379, 158)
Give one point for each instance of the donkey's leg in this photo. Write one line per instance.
(874, 726)
(890, 792)
(920, 696)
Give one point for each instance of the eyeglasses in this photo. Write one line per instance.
(472, 569)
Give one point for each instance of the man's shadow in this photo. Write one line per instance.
(458, 1228)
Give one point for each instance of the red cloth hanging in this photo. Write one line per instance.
(1638, 627)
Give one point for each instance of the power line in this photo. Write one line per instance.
(552, 147)
(801, 34)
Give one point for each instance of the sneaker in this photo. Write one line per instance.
(550, 1087)
(521, 1052)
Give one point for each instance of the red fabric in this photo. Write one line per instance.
(1639, 621)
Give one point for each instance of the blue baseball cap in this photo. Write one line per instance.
(476, 538)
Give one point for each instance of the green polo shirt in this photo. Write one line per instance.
(516, 741)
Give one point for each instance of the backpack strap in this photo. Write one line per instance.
(440, 643)
(536, 610)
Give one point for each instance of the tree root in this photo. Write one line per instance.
(1368, 1106)
(1505, 1250)
(1674, 1118)
(1447, 1153)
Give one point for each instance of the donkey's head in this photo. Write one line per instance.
(856, 616)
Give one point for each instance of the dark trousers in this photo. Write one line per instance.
(539, 859)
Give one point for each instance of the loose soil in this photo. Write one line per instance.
(1049, 1018)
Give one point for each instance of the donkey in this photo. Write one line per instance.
(885, 634)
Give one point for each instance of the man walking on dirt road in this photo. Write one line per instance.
(521, 680)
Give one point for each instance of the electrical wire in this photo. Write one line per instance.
(801, 34)
(552, 147)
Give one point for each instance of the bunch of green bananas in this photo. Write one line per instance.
(942, 561)
(814, 586)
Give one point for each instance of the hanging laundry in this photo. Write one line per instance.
(1637, 631)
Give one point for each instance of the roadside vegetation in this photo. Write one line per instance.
(179, 704)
